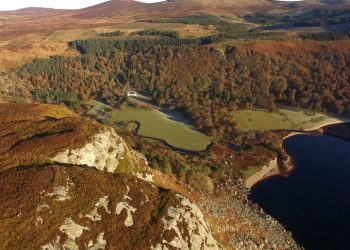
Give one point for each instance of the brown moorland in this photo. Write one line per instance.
(35, 214)
(24, 33)
(75, 206)
(15, 112)
(32, 134)
(299, 47)
(56, 204)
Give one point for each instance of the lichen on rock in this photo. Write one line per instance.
(104, 152)
(188, 226)
(102, 203)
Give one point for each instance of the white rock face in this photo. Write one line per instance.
(104, 152)
(145, 176)
(100, 244)
(102, 203)
(73, 231)
(129, 221)
(60, 193)
(199, 235)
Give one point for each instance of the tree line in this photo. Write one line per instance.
(326, 36)
(153, 32)
(206, 84)
(108, 48)
(310, 18)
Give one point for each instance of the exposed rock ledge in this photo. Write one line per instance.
(58, 180)
(65, 138)
(53, 186)
(82, 208)
(106, 152)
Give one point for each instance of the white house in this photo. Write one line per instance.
(131, 93)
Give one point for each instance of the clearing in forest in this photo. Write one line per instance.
(159, 123)
(282, 120)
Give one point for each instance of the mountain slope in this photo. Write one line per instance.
(44, 134)
(58, 181)
(77, 208)
(69, 183)
(36, 33)
(110, 9)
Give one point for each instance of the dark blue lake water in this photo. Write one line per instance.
(314, 201)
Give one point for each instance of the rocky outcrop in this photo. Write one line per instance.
(45, 134)
(67, 183)
(198, 234)
(106, 151)
(82, 208)
(240, 225)
(33, 134)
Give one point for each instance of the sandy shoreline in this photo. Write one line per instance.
(266, 171)
(328, 121)
(272, 168)
(318, 126)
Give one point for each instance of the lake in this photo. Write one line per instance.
(314, 201)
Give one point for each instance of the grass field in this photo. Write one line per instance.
(284, 119)
(163, 124)
(166, 126)
(185, 30)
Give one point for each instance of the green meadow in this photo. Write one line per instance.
(283, 119)
(157, 123)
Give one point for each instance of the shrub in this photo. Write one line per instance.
(201, 183)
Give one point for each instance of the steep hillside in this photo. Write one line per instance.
(78, 208)
(16, 112)
(52, 187)
(43, 134)
(68, 183)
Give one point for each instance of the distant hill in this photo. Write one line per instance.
(110, 9)
(33, 11)
(24, 33)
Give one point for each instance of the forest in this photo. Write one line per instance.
(326, 36)
(204, 83)
(114, 33)
(153, 32)
(107, 48)
(312, 18)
